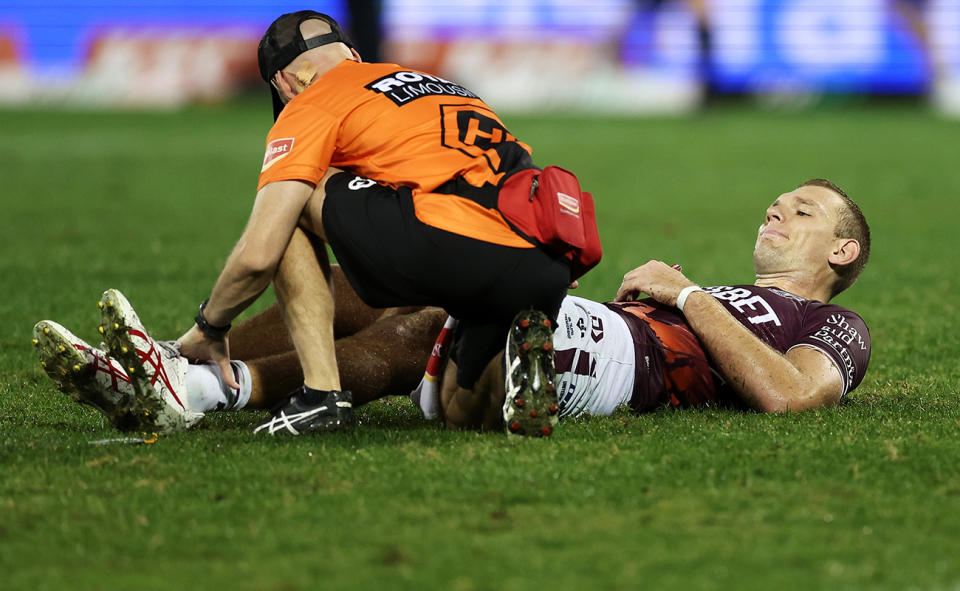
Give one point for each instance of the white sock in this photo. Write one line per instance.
(427, 394)
(207, 391)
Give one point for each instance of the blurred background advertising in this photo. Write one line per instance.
(604, 56)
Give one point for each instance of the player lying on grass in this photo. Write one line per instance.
(391, 168)
(770, 346)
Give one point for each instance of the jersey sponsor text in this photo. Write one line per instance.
(747, 303)
(838, 334)
(403, 87)
(276, 150)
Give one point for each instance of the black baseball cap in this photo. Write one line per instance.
(283, 42)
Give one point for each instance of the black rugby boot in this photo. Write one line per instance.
(311, 411)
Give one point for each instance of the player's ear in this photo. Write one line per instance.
(356, 56)
(845, 251)
(283, 86)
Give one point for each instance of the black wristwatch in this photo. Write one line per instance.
(214, 332)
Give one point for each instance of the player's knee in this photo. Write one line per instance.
(423, 324)
(456, 415)
(460, 413)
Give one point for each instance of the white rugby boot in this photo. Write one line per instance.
(530, 407)
(156, 369)
(87, 374)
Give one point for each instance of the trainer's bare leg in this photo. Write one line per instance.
(478, 408)
(306, 302)
(387, 357)
(305, 294)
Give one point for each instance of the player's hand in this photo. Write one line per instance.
(656, 279)
(196, 345)
(574, 285)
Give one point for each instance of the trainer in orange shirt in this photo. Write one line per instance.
(400, 173)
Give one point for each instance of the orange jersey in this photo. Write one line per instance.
(401, 128)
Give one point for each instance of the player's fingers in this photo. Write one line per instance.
(227, 373)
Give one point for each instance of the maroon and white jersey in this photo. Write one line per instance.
(784, 321)
(669, 363)
(778, 318)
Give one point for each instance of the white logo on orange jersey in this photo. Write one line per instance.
(276, 150)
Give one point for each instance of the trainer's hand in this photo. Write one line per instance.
(196, 345)
(656, 279)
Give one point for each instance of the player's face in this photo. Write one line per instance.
(798, 232)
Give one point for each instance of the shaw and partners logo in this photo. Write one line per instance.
(841, 337)
(838, 330)
(276, 150)
(842, 348)
(838, 326)
(403, 87)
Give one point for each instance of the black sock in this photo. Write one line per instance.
(311, 396)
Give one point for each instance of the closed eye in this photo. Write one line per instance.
(802, 213)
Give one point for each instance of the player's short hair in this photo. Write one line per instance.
(853, 225)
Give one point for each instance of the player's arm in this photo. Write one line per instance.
(767, 380)
(250, 266)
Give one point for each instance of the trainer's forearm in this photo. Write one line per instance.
(256, 256)
(240, 283)
(764, 378)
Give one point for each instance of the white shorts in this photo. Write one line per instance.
(593, 350)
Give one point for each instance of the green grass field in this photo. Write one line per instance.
(862, 496)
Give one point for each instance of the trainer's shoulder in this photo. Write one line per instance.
(363, 73)
(340, 90)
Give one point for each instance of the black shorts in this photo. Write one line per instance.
(393, 259)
